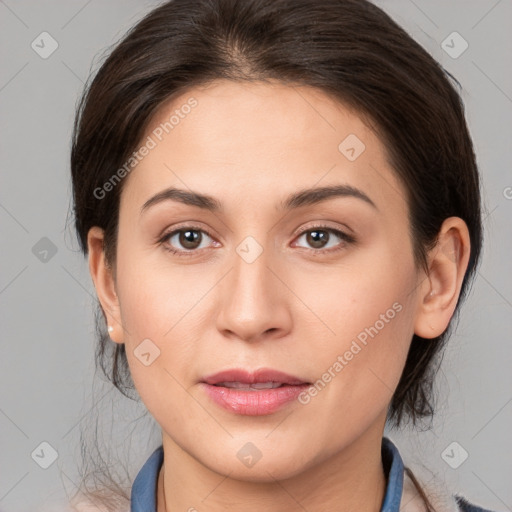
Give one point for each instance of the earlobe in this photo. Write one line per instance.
(440, 289)
(104, 283)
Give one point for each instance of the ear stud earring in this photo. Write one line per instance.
(110, 328)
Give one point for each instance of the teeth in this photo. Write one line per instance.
(255, 385)
(265, 385)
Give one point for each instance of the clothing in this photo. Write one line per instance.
(401, 494)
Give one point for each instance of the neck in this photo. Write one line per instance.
(352, 479)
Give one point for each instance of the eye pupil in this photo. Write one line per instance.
(189, 238)
(317, 238)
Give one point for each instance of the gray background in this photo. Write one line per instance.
(46, 366)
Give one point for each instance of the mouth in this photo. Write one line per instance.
(257, 393)
(266, 376)
(250, 387)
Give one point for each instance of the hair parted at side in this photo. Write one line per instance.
(351, 50)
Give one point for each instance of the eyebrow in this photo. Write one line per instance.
(298, 199)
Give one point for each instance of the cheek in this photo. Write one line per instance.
(369, 327)
(361, 319)
(155, 295)
(163, 315)
(342, 300)
(357, 372)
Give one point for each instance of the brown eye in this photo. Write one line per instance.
(319, 237)
(189, 239)
(185, 240)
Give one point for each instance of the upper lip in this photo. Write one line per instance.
(251, 377)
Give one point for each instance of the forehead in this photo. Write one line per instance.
(280, 113)
(257, 141)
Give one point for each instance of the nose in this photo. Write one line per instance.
(254, 303)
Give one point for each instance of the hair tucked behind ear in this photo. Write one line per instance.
(349, 49)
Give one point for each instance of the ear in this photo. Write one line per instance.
(440, 290)
(104, 282)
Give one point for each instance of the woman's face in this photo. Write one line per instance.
(263, 280)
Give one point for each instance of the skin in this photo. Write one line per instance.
(250, 146)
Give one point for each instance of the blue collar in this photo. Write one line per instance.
(144, 489)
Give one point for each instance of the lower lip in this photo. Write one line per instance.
(253, 403)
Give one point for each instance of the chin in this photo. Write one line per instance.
(248, 463)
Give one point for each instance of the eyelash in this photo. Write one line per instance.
(347, 239)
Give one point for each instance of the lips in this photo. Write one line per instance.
(250, 387)
(257, 393)
(258, 377)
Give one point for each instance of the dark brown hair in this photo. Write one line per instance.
(351, 50)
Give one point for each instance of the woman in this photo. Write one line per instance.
(280, 205)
